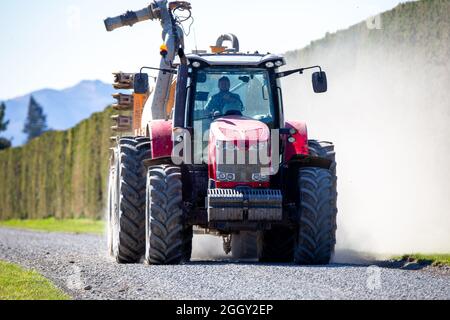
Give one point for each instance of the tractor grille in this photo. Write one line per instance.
(242, 163)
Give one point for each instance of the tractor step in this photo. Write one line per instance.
(244, 204)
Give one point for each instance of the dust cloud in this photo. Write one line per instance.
(389, 115)
(207, 247)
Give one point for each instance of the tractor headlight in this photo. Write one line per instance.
(258, 177)
(226, 176)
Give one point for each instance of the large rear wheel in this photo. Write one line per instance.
(126, 203)
(276, 245)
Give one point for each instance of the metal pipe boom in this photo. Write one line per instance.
(173, 39)
(130, 18)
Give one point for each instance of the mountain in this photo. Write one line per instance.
(64, 108)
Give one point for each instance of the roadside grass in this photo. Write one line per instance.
(20, 284)
(56, 225)
(430, 259)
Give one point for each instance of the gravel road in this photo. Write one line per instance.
(79, 265)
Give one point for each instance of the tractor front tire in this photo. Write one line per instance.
(168, 240)
(126, 204)
(316, 239)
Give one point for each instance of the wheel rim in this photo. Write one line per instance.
(114, 212)
(109, 216)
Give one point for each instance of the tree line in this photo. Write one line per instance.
(35, 123)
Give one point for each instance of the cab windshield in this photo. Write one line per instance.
(223, 92)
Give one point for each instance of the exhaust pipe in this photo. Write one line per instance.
(229, 37)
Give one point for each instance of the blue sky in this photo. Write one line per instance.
(57, 43)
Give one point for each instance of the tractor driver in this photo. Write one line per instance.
(225, 102)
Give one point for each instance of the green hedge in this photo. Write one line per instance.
(61, 174)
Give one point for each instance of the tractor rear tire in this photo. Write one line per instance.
(168, 240)
(276, 245)
(126, 205)
(324, 150)
(244, 245)
(316, 239)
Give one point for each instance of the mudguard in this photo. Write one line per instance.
(160, 133)
(299, 144)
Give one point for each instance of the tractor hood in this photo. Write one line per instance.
(237, 138)
(238, 128)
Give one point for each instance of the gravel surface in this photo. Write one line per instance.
(79, 265)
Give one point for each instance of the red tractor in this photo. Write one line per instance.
(217, 154)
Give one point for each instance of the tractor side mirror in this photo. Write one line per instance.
(141, 84)
(320, 83)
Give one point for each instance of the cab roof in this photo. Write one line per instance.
(235, 59)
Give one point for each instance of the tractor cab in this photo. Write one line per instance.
(232, 103)
(235, 84)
